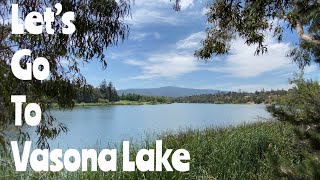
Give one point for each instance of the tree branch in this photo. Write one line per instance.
(304, 36)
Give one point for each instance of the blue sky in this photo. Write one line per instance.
(160, 48)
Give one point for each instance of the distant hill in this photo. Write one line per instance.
(169, 91)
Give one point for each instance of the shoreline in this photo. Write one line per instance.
(121, 103)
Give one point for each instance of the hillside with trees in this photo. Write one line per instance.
(258, 97)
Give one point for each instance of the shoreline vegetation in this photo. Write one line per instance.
(118, 103)
(128, 103)
(248, 151)
(107, 95)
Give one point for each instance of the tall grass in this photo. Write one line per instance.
(244, 152)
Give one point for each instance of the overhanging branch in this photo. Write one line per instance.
(306, 37)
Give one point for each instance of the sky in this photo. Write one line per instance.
(160, 52)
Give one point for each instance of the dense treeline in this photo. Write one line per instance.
(258, 97)
(105, 93)
(142, 98)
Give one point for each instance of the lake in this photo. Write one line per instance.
(101, 126)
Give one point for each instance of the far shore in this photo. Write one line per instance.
(118, 103)
(122, 103)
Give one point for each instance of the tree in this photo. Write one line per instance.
(251, 19)
(87, 94)
(103, 88)
(99, 25)
(113, 95)
(301, 108)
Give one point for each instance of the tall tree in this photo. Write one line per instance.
(103, 88)
(99, 25)
(113, 95)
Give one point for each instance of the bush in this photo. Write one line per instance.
(301, 107)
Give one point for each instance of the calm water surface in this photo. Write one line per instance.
(100, 126)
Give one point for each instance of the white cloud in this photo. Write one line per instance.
(139, 36)
(156, 12)
(204, 11)
(192, 41)
(146, 16)
(135, 62)
(186, 4)
(242, 63)
(169, 65)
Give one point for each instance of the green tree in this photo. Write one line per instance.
(253, 19)
(87, 94)
(99, 25)
(301, 107)
(112, 92)
(103, 88)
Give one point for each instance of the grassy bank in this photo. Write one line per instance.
(244, 152)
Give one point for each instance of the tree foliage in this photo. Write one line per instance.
(99, 25)
(301, 107)
(258, 97)
(253, 19)
(89, 94)
(143, 98)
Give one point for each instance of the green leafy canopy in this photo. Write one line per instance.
(253, 19)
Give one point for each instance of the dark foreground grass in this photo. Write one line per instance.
(244, 152)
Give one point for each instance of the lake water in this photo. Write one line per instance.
(102, 126)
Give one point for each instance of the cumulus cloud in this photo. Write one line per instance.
(243, 63)
(169, 65)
